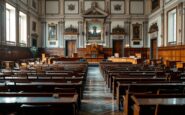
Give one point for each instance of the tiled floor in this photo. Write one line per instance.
(97, 97)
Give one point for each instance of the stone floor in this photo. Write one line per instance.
(97, 98)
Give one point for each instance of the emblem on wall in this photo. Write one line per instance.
(71, 7)
(117, 7)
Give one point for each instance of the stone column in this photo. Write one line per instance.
(60, 33)
(43, 7)
(107, 6)
(17, 38)
(43, 34)
(62, 28)
(127, 33)
(145, 33)
(29, 39)
(81, 6)
(2, 21)
(127, 7)
(61, 7)
(81, 34)
(107, 33)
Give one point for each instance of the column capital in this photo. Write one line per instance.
(80, 22)
(61, 21)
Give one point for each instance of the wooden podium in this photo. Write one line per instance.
(94, 53)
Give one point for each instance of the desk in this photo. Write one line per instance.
(125, 59)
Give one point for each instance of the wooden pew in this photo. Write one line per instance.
(63, 103)
(121, 80)
(145, 87)
(158, 104)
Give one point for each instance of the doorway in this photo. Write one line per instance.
(118, 47)
(70, 47)
(153, 48)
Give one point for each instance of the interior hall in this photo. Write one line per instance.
(92, 57)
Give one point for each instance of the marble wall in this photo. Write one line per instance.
(78, 12)
(111, 13)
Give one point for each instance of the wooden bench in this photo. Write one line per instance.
(62, 103)
(158, 104)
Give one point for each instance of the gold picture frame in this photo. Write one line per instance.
(52, 31)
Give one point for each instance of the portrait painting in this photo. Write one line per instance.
(52, 31)
(136, 31)
(94, 31)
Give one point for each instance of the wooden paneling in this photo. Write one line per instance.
(52, 51)
(133, 51)
(13, 53)
(176, 53)
(153, 48)
(107, 52)
(81, 52)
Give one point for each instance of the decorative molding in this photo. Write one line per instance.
(95, 11)
(71, 31)
(118, 30)
(153, 28)
(117, 6)
(71, 7)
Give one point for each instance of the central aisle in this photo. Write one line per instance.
(97, 97)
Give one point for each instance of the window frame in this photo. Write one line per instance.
(10, 24)
(22, 18)
(174, 40)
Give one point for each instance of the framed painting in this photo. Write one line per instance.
(52, 31)
(94, 31)
(136, 31)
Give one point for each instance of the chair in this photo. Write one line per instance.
(27, 109)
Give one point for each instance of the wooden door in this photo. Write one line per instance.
(118, 47)
(153, 48)
(70, 47)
